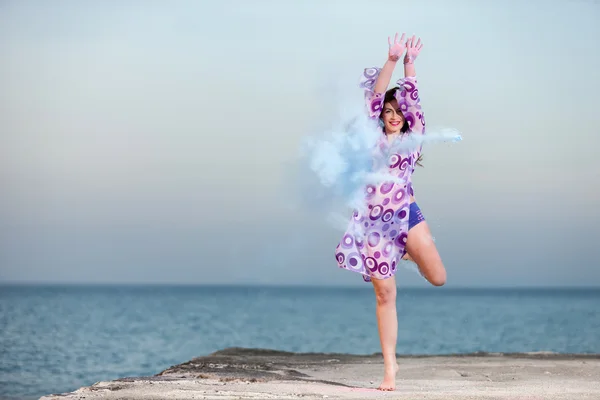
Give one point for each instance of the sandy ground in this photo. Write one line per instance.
(264, 374)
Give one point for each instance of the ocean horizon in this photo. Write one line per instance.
(57, 337)
(296, 285)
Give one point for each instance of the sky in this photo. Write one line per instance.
(159, 142)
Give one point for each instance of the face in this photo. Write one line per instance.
(392, 118)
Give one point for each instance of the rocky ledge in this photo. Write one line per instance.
(238, 373)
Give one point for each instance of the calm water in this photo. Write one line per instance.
(59, 338)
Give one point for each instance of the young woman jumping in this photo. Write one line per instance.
(391, 226)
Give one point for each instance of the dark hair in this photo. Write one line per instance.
(388, 98)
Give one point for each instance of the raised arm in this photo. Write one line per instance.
(408, 97)
(413, 48)
(385, 75)
(375, 80)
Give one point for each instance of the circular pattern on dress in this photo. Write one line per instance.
(384, 268)
(377, 254)
(408, 86)
(387, 215)
(368, 83)
(371, 264)
(404, 163)
(355, 261)
(414, 94)
(401, 239)
(399, 95)
(393, 233)
(373, 239)
(387, 249)
(394, 265)
(410, 119)
(347, 241)
(385, 202)
(371, 72)
(385, 227)
(401, 214)
(394, 160)
(398, 196)
(371, 190)
(340, 257)
(375, 212)
(386, 187)
(359, 243)
(376, 105)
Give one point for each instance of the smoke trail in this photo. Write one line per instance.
(344, 158)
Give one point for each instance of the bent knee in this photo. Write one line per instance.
(438, 281)
(433, 272)
(438, 278)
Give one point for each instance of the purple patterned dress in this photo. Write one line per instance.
(375, 240)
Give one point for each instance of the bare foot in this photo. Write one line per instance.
(389, 378)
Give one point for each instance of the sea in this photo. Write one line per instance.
(57, 338)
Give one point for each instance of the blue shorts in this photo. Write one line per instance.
(415, 216)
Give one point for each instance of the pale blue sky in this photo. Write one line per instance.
(147, 141)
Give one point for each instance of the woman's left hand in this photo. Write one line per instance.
(413, 48)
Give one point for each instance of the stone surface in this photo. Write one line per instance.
(265, 374)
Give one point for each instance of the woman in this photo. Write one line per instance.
(392, 226)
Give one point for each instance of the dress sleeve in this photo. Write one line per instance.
(410, 103)
(373, 101)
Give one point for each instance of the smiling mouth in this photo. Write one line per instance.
(394, 123)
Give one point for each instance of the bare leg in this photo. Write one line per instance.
(387, 322)
(421, 249)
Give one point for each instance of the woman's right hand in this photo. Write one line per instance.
(396, 48)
